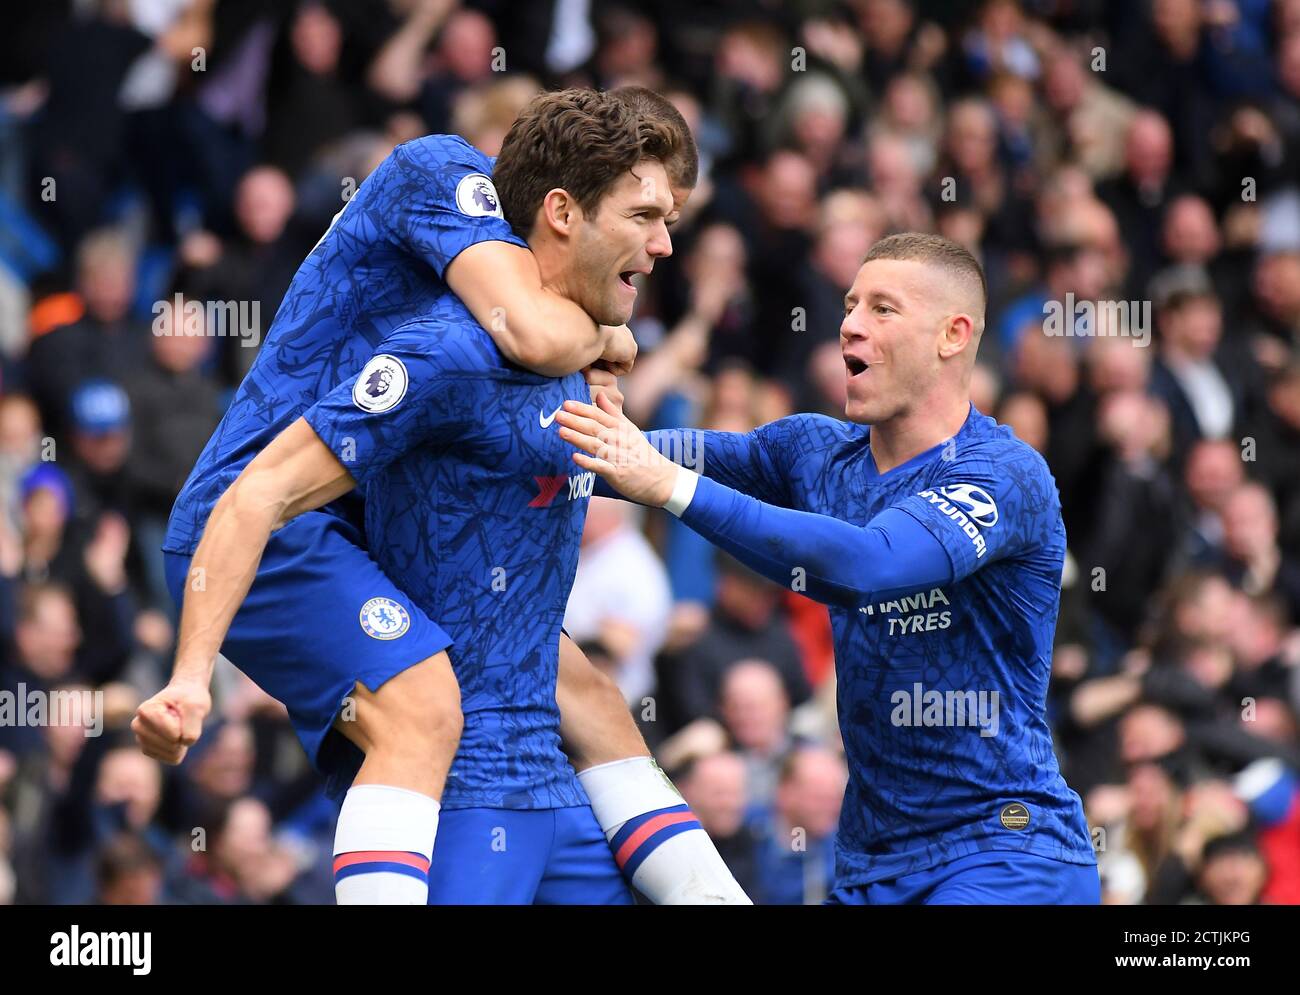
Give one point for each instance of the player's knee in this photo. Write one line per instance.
(415, 713)
(427, 705)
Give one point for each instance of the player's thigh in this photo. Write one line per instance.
(319, 619)
(1013, 878)
(595, 724)
(489, 856)
(415, 711)
(581, 869)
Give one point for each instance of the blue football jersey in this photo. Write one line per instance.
(941, 692)
(476, 508)
(380, 264)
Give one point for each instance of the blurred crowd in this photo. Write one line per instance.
(1128, 174)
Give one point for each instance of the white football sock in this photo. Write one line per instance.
(657, 841)
(383, 845)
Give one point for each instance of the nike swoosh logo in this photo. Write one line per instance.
(546, 420)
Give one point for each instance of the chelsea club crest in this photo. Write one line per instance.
(384, 618)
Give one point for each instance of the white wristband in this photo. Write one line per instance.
(683, 491)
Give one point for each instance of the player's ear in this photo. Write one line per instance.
(559, 211)
(956, 334)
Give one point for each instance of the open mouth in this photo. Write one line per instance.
(626, 278)
(855, 365)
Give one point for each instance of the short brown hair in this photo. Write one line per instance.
(577, 140)
(684, 167)
(935, 250)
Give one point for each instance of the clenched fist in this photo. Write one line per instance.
(170, 722)
(620, 352)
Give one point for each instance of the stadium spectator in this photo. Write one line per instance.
(128, 872)
(246, 275)
(101, 440)
(1206, 397)
(745, 623)
(1140, 194)
(620, 596)
(714, 786)
(175, 408)
(796, 852)
(1213, 471)
(755, 712)
(243, 864)
(20, 448)
(1232, 871)
(849, 222)
(99, 339)
(1253, 560)
(1094, 117)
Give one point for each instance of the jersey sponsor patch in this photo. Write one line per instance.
(967, 506)
(380, 385)
(384, 618)
(477, 197)
(975, 501)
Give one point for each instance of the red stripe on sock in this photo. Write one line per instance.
(381, 856)
(651, 827)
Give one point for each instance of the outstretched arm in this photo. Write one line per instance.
(840, 563)
(295, 473)
(302, 469)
